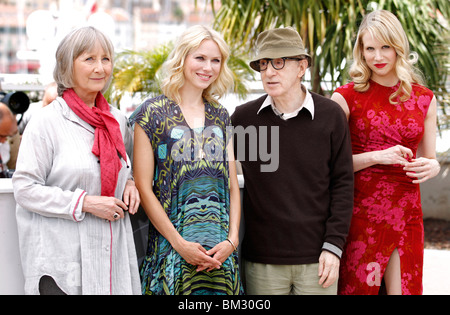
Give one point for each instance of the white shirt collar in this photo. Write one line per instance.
(308, 103)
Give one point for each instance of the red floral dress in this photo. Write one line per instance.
(387, 210)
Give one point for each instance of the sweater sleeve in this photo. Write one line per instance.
(34, 163)
(341, 186)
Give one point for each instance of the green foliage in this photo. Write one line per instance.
(139, 73)
(329, 28)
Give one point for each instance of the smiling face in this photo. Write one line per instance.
(381, 59)
(91, 71)
(202, 66)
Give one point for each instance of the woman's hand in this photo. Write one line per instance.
(394, 155)
(108, 208)
(219, 252)
(195, 254)
(422, 169)
(131, 197)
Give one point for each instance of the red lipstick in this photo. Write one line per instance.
(380, 65)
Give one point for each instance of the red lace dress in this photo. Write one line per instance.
(387, 211)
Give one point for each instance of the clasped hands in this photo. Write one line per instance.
(195, 254)
(421, 169)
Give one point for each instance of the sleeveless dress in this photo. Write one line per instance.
(192, 183)
(387, 211)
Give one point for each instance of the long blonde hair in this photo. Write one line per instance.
(190, 40)
(386, 28)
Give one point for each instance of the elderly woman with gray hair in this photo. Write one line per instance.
(73, 182)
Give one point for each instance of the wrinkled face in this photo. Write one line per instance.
(278, 83)
(202, 66)
(380, 58)
(91, 71)
(8, 128)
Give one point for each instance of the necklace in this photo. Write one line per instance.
(197, 125)
(200, 143)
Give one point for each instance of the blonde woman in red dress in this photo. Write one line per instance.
(392, 119)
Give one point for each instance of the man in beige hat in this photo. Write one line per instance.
(297, 214)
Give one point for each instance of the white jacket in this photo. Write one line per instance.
(55, 170)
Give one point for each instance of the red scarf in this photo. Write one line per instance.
(108, 142)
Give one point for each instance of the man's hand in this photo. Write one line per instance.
(328, 268)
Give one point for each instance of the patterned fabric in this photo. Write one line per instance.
(108, 144)
(387, 212)
(192, 183)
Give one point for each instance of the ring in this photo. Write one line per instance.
(116, 216)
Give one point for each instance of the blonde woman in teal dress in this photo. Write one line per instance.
(185, 171)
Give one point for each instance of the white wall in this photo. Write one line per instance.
(11, 277)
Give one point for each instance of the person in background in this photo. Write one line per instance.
(297, 210)
(14, 142)
(392, 119)
(73, 183)
(8, 129)
(50, 94)
(186, 173)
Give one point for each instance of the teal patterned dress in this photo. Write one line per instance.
(192, 183)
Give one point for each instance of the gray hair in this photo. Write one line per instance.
(71, 47)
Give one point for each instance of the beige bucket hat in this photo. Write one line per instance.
(279, 43)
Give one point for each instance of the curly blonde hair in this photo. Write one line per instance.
(386, 28)
(190, 40)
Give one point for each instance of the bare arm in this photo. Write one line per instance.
(144, 166)
(395, 155)
(235, 207)
(426, 166)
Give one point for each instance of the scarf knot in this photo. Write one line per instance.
(108, 143)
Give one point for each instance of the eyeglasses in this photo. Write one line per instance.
(277, 63)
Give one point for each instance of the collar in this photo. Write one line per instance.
(70, 115)
(308, 104)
